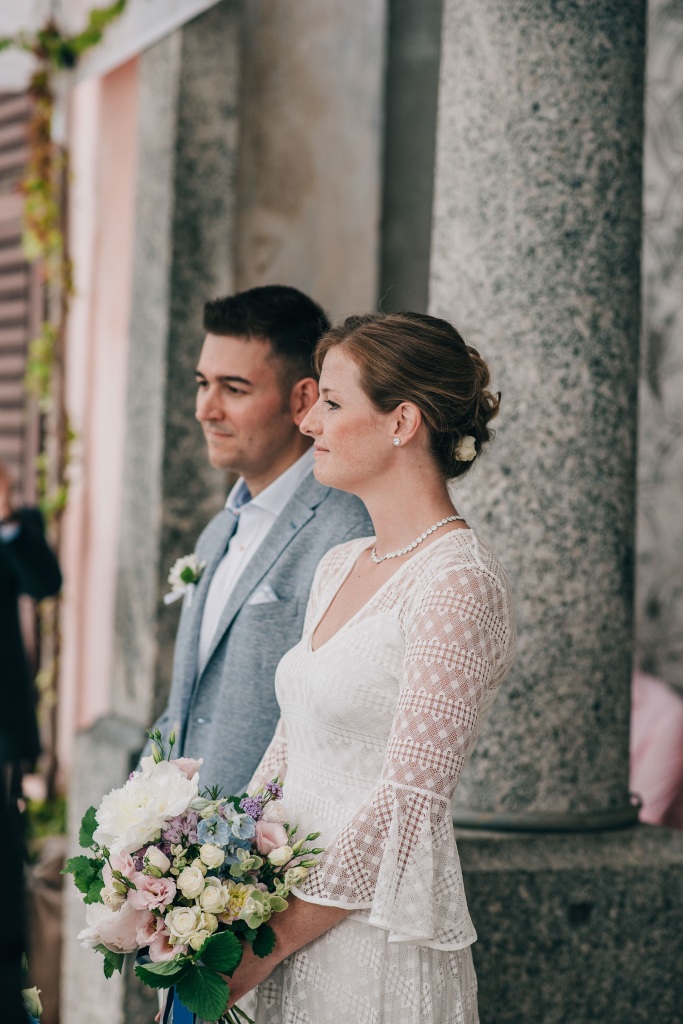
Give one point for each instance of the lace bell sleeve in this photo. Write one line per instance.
(397, 855)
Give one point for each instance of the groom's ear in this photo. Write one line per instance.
(303, 397)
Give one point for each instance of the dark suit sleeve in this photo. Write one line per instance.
(30, 559)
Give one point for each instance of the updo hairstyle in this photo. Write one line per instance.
(412, 357)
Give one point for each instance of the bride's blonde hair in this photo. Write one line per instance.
(413, 357)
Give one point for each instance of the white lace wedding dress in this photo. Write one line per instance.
(377, 725)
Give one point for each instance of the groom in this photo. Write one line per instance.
(255, 384)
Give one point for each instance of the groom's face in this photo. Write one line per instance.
(245, 415)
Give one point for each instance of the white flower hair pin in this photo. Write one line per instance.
(465, 449)
(185, 574)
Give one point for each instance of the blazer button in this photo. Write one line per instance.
(201, 721)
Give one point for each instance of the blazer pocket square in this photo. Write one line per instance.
(263, 595)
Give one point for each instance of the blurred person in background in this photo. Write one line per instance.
(27, 566)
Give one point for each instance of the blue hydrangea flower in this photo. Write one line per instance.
(213, 830)
(231, 850)
(242, 826)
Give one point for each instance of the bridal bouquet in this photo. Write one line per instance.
(188, 875)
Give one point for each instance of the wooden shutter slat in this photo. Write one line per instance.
(12, 365)
(13, 310)
(14, 282)
(13, 134)
(12, 338)
(11, 257)
(14, 106)
(11, 393)
(13, 421)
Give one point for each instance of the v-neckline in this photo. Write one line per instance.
(380, 589)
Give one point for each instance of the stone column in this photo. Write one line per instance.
(536, 255)
(187, 129)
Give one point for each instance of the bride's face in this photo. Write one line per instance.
(352, 440)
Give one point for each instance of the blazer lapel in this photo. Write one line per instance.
(296, 513)
(226, 526)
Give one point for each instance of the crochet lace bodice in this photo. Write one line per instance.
(378, 724)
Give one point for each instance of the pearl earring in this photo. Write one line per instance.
(396, 441)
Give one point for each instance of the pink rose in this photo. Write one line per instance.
(122, 862)
(160, 948)
(118, 932)
(152, 893)
(147, 928)
(269, 836)
(189, 766)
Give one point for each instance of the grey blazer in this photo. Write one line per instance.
(227, 713)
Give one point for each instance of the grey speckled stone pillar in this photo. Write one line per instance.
(187, 129)
(536, 255)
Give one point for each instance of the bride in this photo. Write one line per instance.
(408, 636)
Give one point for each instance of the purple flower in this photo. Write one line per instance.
(182, 829)
(275, 789)
(252, 806)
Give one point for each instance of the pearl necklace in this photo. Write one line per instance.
(423, 536)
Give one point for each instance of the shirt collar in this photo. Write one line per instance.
(275, 496)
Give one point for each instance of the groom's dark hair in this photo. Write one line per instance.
(283, 316)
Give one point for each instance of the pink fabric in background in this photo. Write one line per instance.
(657, 750)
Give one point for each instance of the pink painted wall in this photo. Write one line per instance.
(102, 131)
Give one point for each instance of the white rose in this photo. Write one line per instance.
(278, 858)
(196, 863)
(156, 858)
(112, 898)
(211, 855)
(214, 897)
(197, 939)
(191, 882)
(182, 922)
(208, 922)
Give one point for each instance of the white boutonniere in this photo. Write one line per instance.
(185, 574)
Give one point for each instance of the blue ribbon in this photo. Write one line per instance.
(181, 1014)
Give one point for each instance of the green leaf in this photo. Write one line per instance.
(88, 826)
(77, 865)
(264, 943)
(94, 893)
(167, 968)
(203, 992)
(112, 961)
(87, 872)
(222, 952)
(158, 975)
(277, 904)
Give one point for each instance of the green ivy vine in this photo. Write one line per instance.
(44, 187)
